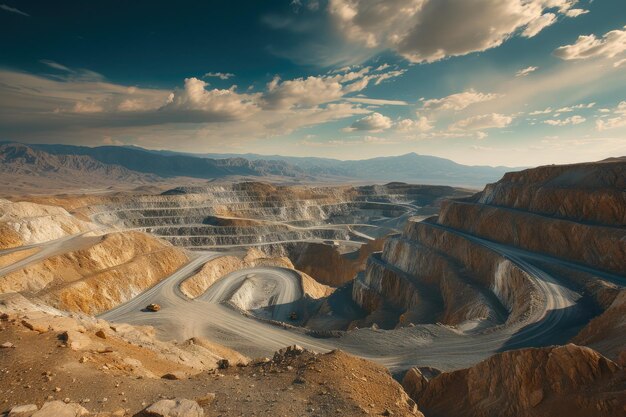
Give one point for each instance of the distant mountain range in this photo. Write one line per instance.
(125, 161)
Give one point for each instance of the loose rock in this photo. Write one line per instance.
(173, 408)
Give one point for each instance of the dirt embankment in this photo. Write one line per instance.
(117, 267)
(431, 275)
(25, 223)
(598, 246)
(588, 192)
(565, 380)
(217, 268)
(111, 368)
(607, 332)
(328, 266)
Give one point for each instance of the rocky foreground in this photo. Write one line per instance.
(55, 365)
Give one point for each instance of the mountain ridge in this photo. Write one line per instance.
(411, 167)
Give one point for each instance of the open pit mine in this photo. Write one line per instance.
(254, 298)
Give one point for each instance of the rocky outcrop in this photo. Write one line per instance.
(178, 407)
(336, 268)
(431, 275)
(486, 259)
(25, 223)
(217, 268)
(416, 380)
(566, 380)
(599, 246)
(588, 192)
(112, 269)
(127, 349)
(606, 333)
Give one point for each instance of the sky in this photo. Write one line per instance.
(482, 82)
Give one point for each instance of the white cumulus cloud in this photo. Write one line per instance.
(430, 30)
(421, 124)
(458, 101)
(574, 120)
(611, 44)
(484, 121)
(617, 119)
(227, 104)
(525, 71)
(374, 122)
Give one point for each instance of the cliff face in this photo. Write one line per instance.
(567, 380)
(108, 271)
(607, 332)
(589, 192)
(602, 247)
(25, 223)
(336, 268)
(432, 275)
(566, 222)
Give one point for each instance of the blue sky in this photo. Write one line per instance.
(494, 82)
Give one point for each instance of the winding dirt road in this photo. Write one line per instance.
(435, 345)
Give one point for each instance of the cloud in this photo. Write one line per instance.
(618, 119)
(79, 74)
(576, 12)
(431, 30)
(302, 92)
(576, 107)
(220, 104)
(525, 71)
(13, 10)
(422, 124)
(87, 107)
(315, 90)
(574, 120)
(377, 101)
(537, 25)
(458, 101)
(619, 63)
(220, 75)
(388, 75)
(485, 121)
(539, 112)
(374, 122)
(589, 46)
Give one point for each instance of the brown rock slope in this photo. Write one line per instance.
(112, 269)
(607, 332)
(554, 381)
(215, 269)
(121, 369)
(575, 212)
(568, 215)
(431, 275)
(25, 223)
(336, 269)
(83, 272)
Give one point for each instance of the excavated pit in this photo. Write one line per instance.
(291, 221)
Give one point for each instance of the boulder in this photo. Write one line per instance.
(61, 409)
(206, 399)
(178, 407)
(35, 325)
(75, 340)
(174, 376)
(22, 410)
